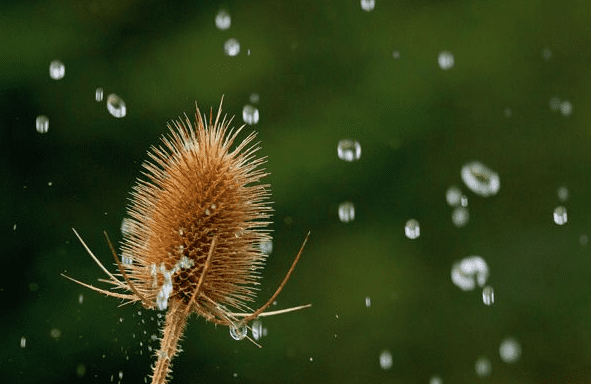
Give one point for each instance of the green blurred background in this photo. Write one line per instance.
(324, 71)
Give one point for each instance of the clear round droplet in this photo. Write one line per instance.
(412, 230)
(238, 331)
(386, 359)
(445, 60)
(460, 217)
(480, 179)
(488, 295)
(482, 367)
(223, 20)
(346, 212)
(368, 5)
(469, 272)
(116, 106)
(349, 150)
(566, 108)
(231, 47)
(250, 114)
(453, 196)
(42, 124)
(98, 94)
(560, 217)
(510, 350)
(57, 70)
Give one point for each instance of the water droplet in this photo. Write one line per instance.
(80, 298)
(396, 54)
(368, 5)
(254, 98)
(267, 247)
(482, 367)
(57, 70)
(583, 240)
(453, 196)
(257, 330)
(42, 124)
(120, 375)
(368, 301)
(510, 350)
(80, 370)
(508, 112)
(250, 114)
(554, 103)
(488, 295)
(460, 216)
(562, 193)
(547, 53)
(223, 20)
(435, 380)
(560, 215)
(238, 331)
(480, 179)
(23, 342)
(386, 359)
(346, 212)
(116, 106)
(98, 94)
(471, 270)
(464, 201)
(446, 60)
(566, 108)
(55, 333)
(412, 229)
(349, 150)
(231, 47)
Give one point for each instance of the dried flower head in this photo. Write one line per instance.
(192, 243)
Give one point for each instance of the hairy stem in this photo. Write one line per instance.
(176, 319)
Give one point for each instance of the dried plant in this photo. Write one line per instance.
(195, 229)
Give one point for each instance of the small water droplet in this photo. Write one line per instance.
(566, 108)
(560, 217)
(368, 5)
(482, 367)
(386, 359)
(583, 240)
(80, 370)
(547, 53)
(412, 230)
(223, 20)
(98, 94)
(55, 333)
(488, 295)
(435, 380)
(267, 247)
(562, 193)
(368, 302)
(446, 60)
(80, 298)
(238, 331)
(554, 103)
(346, 212)
(231, 47)
(250, 114)
(510, 350)
(349, 150)
(42, 124)
(116, 106)
(480, 179)
(508, 112)
(464, 201)
(254, 98)
(23, 342)
(257, 330)
(396, 54)
(57, 70)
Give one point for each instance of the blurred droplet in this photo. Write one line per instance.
(257, 330)
(460, 217)
(583, 239)
(566, 108)
(468, 272)
(368, 5)
(250, 114)
(368, 301)
(238, 332)
(116, 106)
(267, 247)
(346, 212)
(23, 342)
(482, 367)
(254, 98)
(80, 370)
(546, 54)
(98, 94)
(231, 47)
(57, 70)
(480, 179)
(453, 196)
(42, 124)
(560, 215)
(386, 359)
(446, 60)
(508, 112)
(562, 193)
(435, 380)
(223, 20)
(349, 150)
(464, 201)
(396, 54)
(80, 298)
(488, 295)
(412, 230)
(510, 350)
(55, 333)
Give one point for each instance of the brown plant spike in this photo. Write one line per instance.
(194, 235)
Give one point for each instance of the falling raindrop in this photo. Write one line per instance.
(446, 60)
(223, 20)
(488, 295)
(482, 367)
(238, 331)
(560, 215)
(57, 70)
(257, 330)
(468, 272)
(460, 216)
(116, 106)
(412, 230)
(510, 350)
(368, 5)
(464, 201)
(480, 179)
(98, 94)
(346, 212)
(42, 124)
(386, 359)
(231, 47)
(250, 114)
(349, 150)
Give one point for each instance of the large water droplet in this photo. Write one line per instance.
(349, 150)
(466, 273)
(231, 47)
(446, 60)
(250, 114)
(480, 179)
(412, 229)
(346, 212)
(560, 217)
(510, 350)
(238, 331)
(57, 70)
(223, 20)
(386, 359)
(368, 5)
(116, 106)
(42, 124)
